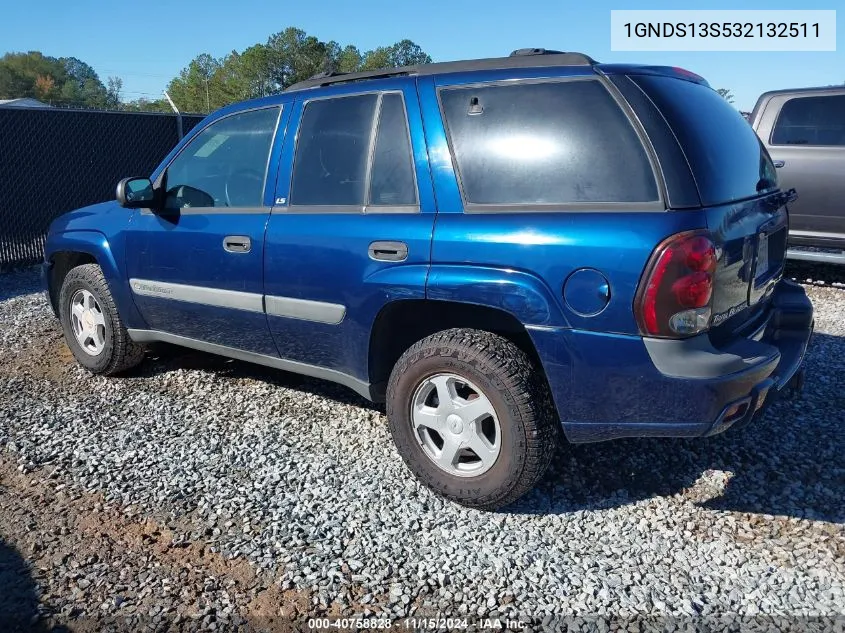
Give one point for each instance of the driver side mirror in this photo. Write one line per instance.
(135, 193)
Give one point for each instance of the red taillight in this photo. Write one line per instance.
(674, 295)
(693, 290)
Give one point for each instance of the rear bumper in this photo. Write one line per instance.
(609, 386)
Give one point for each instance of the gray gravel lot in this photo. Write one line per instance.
(298, 479)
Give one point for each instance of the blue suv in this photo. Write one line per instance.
(499, 249)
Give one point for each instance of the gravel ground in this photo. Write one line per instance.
(287, 492)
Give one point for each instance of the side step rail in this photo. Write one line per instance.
(831, 257)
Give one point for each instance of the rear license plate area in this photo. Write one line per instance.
(771, 251)
(762, 268)
(768, 264)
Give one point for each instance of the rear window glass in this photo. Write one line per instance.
(545, 143)
(811, 121)
(727, 158)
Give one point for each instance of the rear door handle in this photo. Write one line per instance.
(779, 163)
(237, 244)
(388, 251)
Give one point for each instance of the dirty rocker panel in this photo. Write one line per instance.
(153, 336)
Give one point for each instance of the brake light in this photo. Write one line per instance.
(674, 295)
(688, 74)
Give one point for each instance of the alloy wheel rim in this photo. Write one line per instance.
(88, 322)
(456, 425)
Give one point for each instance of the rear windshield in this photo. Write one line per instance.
(727, 158)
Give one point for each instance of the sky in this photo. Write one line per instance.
(146, 44)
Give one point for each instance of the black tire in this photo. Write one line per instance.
(119, 352)
(519, 395)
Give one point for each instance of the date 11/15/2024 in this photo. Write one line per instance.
(414, 624)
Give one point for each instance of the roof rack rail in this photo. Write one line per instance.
(521, 58)
(327, 73)
(521, 52)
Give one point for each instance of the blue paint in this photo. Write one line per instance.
(586, 291)
(570, 276)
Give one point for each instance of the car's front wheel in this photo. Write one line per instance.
(92, 326)
(471, 417)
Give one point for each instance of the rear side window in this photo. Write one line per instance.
(545, 143)
(727, 158)
(811, 121)
(333, 143)
(343, 159)
(392, 180)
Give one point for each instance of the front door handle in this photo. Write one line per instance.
(779, 163)
(388, 251)
(237, 244)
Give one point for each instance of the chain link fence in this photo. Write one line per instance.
(54, 160)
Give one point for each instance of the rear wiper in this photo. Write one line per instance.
(765, 183)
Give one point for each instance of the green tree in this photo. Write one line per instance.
(147, 105)
(82, 85)
(287, 57)
(244, 75)
(114, 85)
(406, 53)
(347, 59)
(376, 58)
(402, 53)
(27, 75)
(726, 94)
(195, 89)
(293, 56)
(66, 81)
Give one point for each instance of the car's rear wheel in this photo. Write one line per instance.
(92, 326)
(471, 417)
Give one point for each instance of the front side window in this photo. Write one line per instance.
(811, 121)
(225, 165)
(564, 142)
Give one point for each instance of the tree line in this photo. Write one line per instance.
(207, 82)
(62, 81)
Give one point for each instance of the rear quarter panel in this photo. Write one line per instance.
(531, 254)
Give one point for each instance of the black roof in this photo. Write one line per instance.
(522, 58)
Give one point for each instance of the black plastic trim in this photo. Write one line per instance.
(681, 189)
(491, 63)
(778, 354)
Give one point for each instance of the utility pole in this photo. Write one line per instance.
(178, 114)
